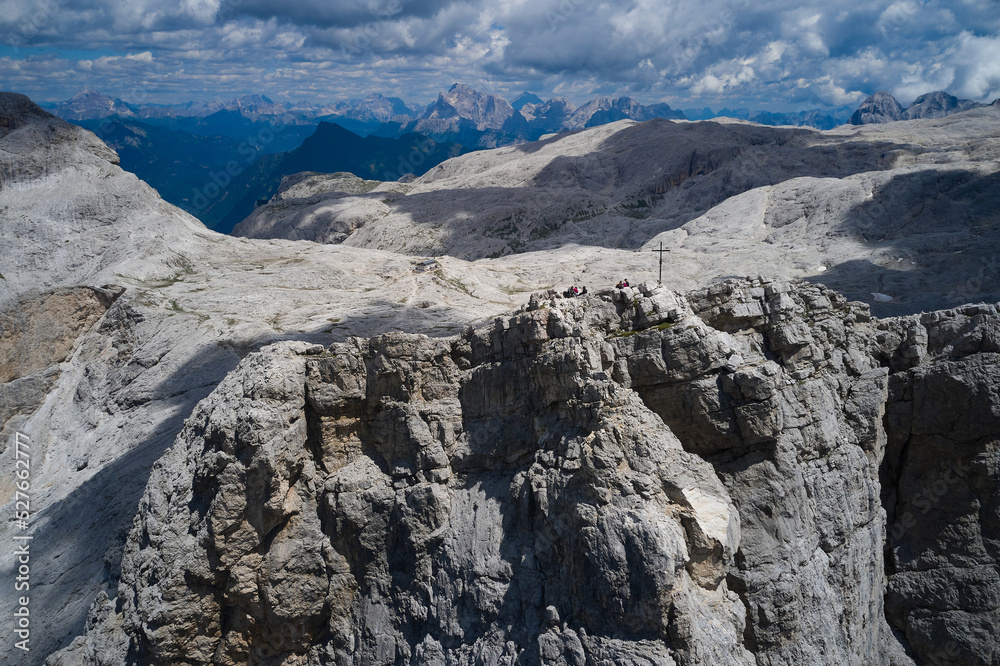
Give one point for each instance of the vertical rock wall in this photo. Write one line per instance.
(635, 478)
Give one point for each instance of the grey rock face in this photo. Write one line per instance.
(309, 183)
(315, 206)
(549, 116)
(937, 105)
(602, 467)
(37, 333)
(638, 477)
(195, 302)
(940, 486)
(880, 108)
(490, 497)
(775, 387)
(470, 115)
(605, 110)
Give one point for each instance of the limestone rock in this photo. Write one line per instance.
(634, 475)
(758, 471)
(881, 107)
(348, 495)
(898, 209)
(37, 334)
(937, 105)
(940, 487)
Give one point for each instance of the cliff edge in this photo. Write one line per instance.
(734, 476)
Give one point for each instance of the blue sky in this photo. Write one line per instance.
(774, 54)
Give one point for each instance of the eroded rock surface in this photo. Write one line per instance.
(38, 333)
(636, 477)
(941, 486)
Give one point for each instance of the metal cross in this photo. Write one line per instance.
(661, 251)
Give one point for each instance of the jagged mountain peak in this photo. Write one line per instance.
(880, 107)
(93, 104)
(526, 98)
(937, 104)
(471, 117)
(467, 99)
(377, 106)
(548, 116)
(603, 110)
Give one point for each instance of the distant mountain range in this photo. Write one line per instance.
(882, 107)
(461, 114)
(177, 164)
(487, 121)
(217, 159)
(818, 118)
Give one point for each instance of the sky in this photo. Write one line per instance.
(773, 54)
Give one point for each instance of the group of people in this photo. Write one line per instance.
(576, 291)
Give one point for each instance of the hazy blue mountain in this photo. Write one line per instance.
(91, 104)
(603, 110)
(179, 165)
(368, 115)
(550, 116)
(381, 108)
(818, 118)
(218, 179)
(330, 149)
(526, 98)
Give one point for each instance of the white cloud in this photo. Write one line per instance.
(977, 67)
(759, 52)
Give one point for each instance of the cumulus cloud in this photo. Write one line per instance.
(714, 51)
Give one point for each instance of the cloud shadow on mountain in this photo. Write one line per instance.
(933, 236)
(644, 180)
